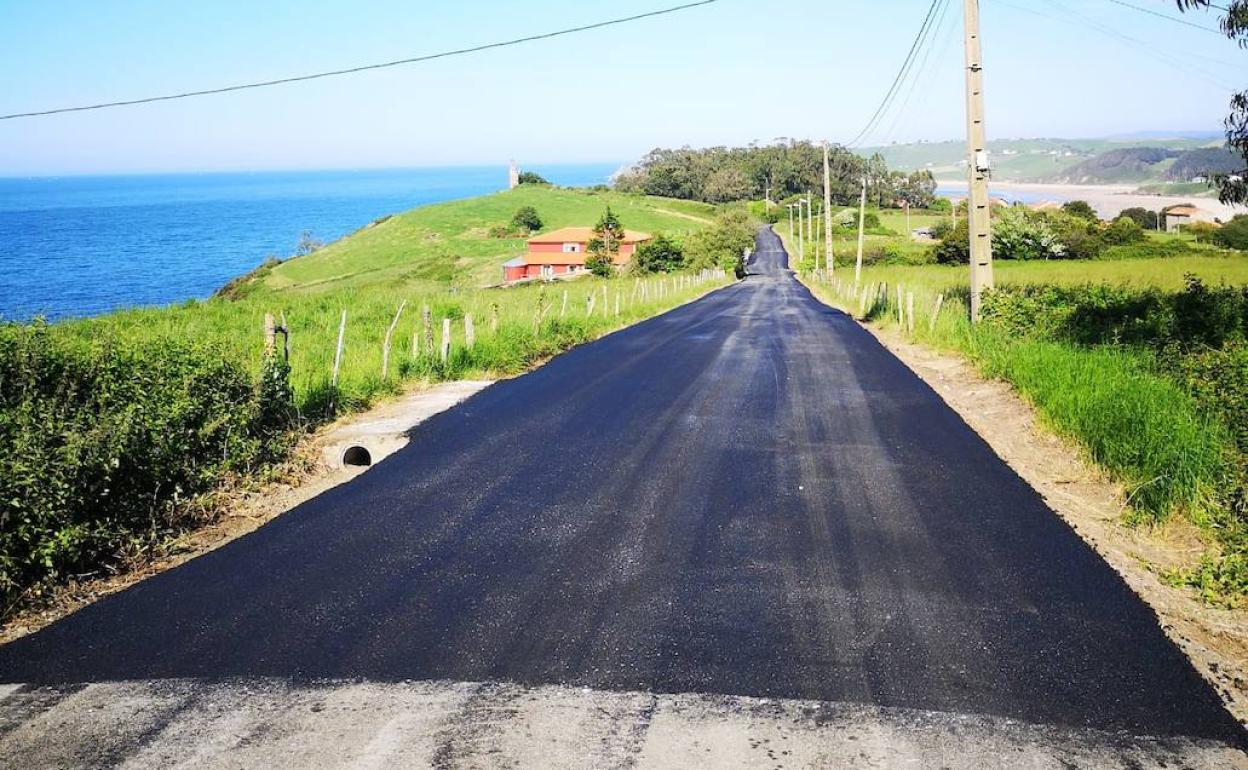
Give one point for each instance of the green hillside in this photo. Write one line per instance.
(1019, 160)
(451, 243)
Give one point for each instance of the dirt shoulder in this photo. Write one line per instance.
(1216, 640)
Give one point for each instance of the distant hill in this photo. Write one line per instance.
(1131, 160)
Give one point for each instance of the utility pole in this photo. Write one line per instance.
(828, 260)
(862, 220)
(810, 230)
(789, 206)
(978, 209)
(801, 234)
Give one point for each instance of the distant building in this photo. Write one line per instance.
(1178, 216)
(561, 254)
(513, 176)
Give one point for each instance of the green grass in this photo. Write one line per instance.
(449, 243)
(314, 317)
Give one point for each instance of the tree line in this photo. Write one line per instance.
(784, 169)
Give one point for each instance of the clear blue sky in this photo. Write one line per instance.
(728, 73)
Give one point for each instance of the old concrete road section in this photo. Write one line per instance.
(741, 534)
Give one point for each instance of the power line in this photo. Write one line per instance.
(1167, 17)
(361, 68)
(905, 68)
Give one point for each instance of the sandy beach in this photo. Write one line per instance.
(1108, 200)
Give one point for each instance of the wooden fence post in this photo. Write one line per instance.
(342, 332)
(426, 316)
(901, 308)
(270, 334)
(446, 339)
(931, 324)
(470, 333)
(563, 311)
(910, 312)
(589, 304)
(617, 304)
(494, 317)
(385, 345)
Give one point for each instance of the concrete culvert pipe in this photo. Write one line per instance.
(358, 456)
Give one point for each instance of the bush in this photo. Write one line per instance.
(1233, 234)
(1018, 234)
(722, 245)
(103, 439)
(531, 177)
(526, 219)
(1202, 232)
(600, 264)
(955, 247)
(1124, 231)
(659, 255)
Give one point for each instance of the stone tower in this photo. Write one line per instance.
(513, 176)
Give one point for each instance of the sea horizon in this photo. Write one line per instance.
(82, 245)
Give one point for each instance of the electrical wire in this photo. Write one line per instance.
(361, 68)
(901, 74)
(941, 35)
(1167, 17)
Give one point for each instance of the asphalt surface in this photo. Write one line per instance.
(747, 496)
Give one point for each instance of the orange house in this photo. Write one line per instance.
(561, 254)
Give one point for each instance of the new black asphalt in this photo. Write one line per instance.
(747, 495)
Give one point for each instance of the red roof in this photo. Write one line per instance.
(583, 235)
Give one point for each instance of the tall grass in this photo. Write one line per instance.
(313, 318)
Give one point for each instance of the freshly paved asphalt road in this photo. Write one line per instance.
(747, 496)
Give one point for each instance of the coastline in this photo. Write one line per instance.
(1108, 200)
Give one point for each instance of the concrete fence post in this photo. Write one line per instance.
(446, 340)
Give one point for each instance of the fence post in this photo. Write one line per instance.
(605, 303)
(901, 308)
(426, 316)
(910, 312)
(385, 345)
(931, 324)
(270, 334)
(446, 339)
(589, 304)
(470, 332)
(564, 310)
(342, 331)
(617, 304)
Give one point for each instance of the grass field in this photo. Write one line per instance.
(449, 244)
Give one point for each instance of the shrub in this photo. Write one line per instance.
(1123, 231)
(104, 438)
(955, 247)
(659, 255)
(600, 264)
(1233, 234)
(526, 219)
(1202, 232)
(531, 177)
(1148, 220)
(1017, 234)
(722, 245)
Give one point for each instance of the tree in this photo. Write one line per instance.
(1149, 220)
(605, 242)
(527, 219)
(955, 247)
(659, 255)
(1081, 209)
(531, 177)
(1233, 187)
(725, 185)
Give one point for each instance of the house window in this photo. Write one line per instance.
(571, 248)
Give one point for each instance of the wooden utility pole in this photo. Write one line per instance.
(789, 206)
(801, 234)
(862, 221)
(810, 226)
(978, 211)
(827, 213)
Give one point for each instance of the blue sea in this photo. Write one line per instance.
(75, 246)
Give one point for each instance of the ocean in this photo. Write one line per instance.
(77, 246)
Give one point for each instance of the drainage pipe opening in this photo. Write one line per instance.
(357, 456)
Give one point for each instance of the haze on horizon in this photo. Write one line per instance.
(725, 74)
